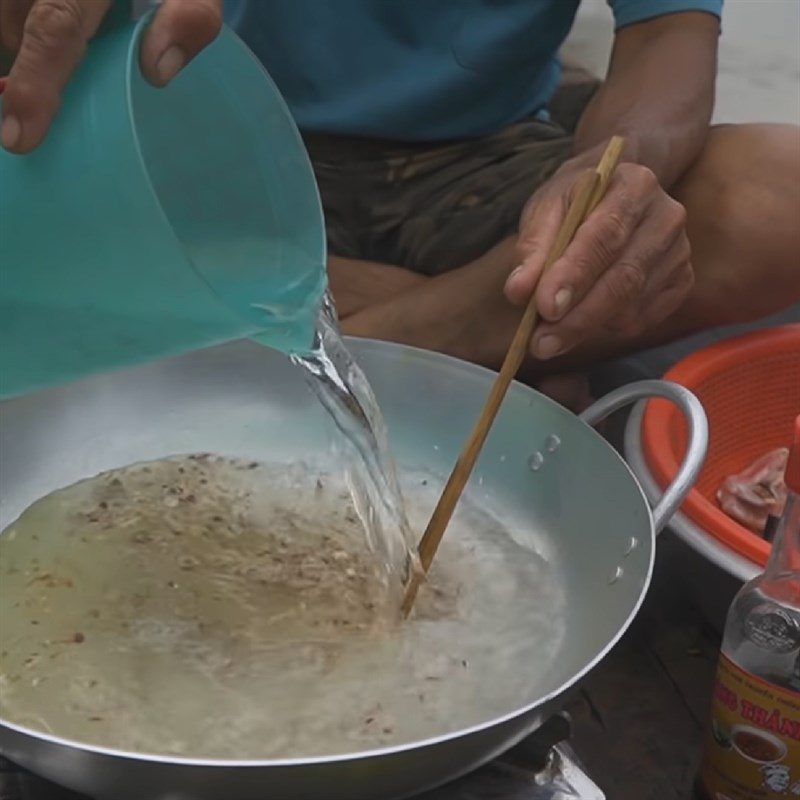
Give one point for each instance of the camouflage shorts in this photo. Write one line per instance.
(433, 207)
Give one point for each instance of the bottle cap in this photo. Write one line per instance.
(793, 464)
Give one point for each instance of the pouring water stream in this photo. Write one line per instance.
(344, 392)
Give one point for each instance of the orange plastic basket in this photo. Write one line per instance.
(750, 388)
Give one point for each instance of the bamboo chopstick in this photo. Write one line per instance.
(588, 192)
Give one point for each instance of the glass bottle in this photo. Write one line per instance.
(752, 749)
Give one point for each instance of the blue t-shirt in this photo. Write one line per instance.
(419, 69)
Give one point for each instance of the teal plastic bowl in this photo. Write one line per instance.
(156, 221)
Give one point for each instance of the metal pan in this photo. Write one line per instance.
(581, 507)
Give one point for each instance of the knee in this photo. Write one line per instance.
(745, 188)
(743, 203)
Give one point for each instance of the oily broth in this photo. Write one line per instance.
(209, 607)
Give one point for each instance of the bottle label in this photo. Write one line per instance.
(753, 743)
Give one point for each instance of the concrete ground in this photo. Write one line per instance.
(759, 58)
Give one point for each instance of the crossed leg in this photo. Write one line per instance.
(743, 206)
(743, 202)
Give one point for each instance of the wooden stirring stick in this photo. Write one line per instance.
(588, 192)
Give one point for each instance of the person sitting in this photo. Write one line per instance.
(444, 177)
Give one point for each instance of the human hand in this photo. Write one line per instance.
(627, 268)
(50, 38)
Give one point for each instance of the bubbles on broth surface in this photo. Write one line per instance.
(211, 607)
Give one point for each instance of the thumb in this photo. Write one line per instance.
(179, 31)
(540, 224)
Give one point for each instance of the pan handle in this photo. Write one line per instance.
(698, 436)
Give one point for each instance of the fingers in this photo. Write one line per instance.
(53, 42)
(628, 265)
(629, 295)
(179, 31)
(641, 288)
(540, 224)
(669, 297)
(599, 242)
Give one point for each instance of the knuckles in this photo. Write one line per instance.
(639, 178)
(28, 99)
(527, 246)
(613, 231)
(51, 22)
(625, 282)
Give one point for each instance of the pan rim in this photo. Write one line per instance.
(358, 346)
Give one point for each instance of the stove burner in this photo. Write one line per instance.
(541, 767)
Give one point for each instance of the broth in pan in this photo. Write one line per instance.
(208, 607)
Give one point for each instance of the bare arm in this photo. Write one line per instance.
(659, 93)
(629, 267)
